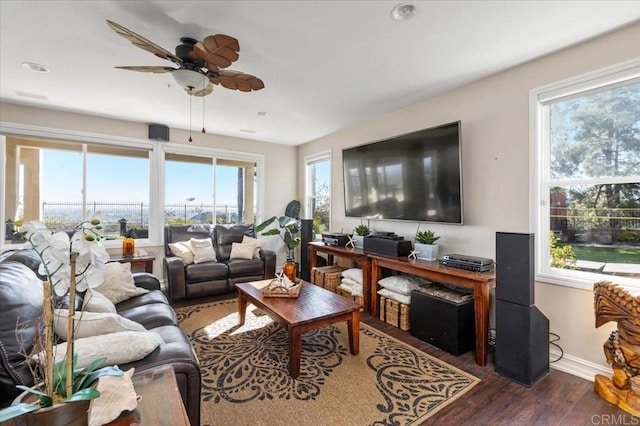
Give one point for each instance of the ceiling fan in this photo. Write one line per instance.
(199, 63)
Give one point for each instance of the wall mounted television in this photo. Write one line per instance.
(415, 177)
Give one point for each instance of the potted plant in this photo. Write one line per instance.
(71, 264)
(289, 226)
(425, 245)
(360, 232)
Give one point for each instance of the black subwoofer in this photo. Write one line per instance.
(447, 324)
(522, 331)
(522, 342)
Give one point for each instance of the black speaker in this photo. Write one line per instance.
(306, 235)
(158, 132)
(443, 323)
(515, 268)
(522, 342)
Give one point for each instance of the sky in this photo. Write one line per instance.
(124, 179)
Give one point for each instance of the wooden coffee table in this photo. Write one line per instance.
(314, 308)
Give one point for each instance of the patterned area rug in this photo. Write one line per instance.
(245, 375)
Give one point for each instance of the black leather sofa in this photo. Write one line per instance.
(213, 277)
(21, 302)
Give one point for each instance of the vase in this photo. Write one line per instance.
(67, 414)
(128, 246)
(359, 241)
(290, 269)
(427, 251)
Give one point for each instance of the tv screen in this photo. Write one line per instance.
(415, 177)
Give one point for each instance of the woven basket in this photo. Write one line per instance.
(328, 277)
(347, 293)
(394, 313)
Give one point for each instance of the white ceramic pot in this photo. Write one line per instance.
(359, 241)
(427, 251)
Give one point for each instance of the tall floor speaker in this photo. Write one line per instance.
(522, 331)
(306, 234)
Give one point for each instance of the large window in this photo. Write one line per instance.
(61, 177)
(199, 188)
(587, 184)
(63, 183)
(318, 191)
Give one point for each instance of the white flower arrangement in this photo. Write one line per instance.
(70, 264)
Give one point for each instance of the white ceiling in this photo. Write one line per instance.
(326, 65)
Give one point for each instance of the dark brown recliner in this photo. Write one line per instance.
(213, 278)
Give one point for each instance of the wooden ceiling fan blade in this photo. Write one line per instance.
(143, 43)
(237, 80)
(153, 69)
(218, 51)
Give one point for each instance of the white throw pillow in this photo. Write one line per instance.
(242, 250)
(94, 301)
(118, 283)
(354, 274)
(118, 348)
(182, 249)
(353, 284)
(203, 250)
(345, 287)
(402, 298)
(257, 242)
(400, 284)
(89, 324)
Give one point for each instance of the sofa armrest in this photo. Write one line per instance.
(269, 258)
(146, 280)
(174, 274)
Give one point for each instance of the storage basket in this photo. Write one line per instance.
(327, 277)
(347, 293)
(394, 313)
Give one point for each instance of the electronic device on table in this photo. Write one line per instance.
(336, 239)
(387, 243)
(471, 263)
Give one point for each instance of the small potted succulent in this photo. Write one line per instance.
(425, 245)
(359, 232)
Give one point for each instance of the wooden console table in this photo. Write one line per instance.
(348, 253)
(479, 282)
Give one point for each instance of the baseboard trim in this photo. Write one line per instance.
(577, 366)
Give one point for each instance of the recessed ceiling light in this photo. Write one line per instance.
(35, 67)
(403, 12)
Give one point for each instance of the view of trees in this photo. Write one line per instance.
(595, 160)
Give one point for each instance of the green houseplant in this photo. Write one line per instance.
(289, 227)
(70, 264)
(360, 232)
(425, 245)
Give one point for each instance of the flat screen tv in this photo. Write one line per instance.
(414, 177)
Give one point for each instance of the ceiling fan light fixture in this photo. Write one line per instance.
(190, 79)
(403, 12)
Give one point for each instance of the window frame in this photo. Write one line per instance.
(216, 154)
(156, 170)
(310, 160)
(540, 176)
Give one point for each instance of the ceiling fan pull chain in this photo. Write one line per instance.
(190, 104)
(203, 130)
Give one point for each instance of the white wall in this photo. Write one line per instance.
(495, 149)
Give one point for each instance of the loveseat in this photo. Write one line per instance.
(21, 293)
(187, 278)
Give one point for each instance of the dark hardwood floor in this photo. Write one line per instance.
(557, 398)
